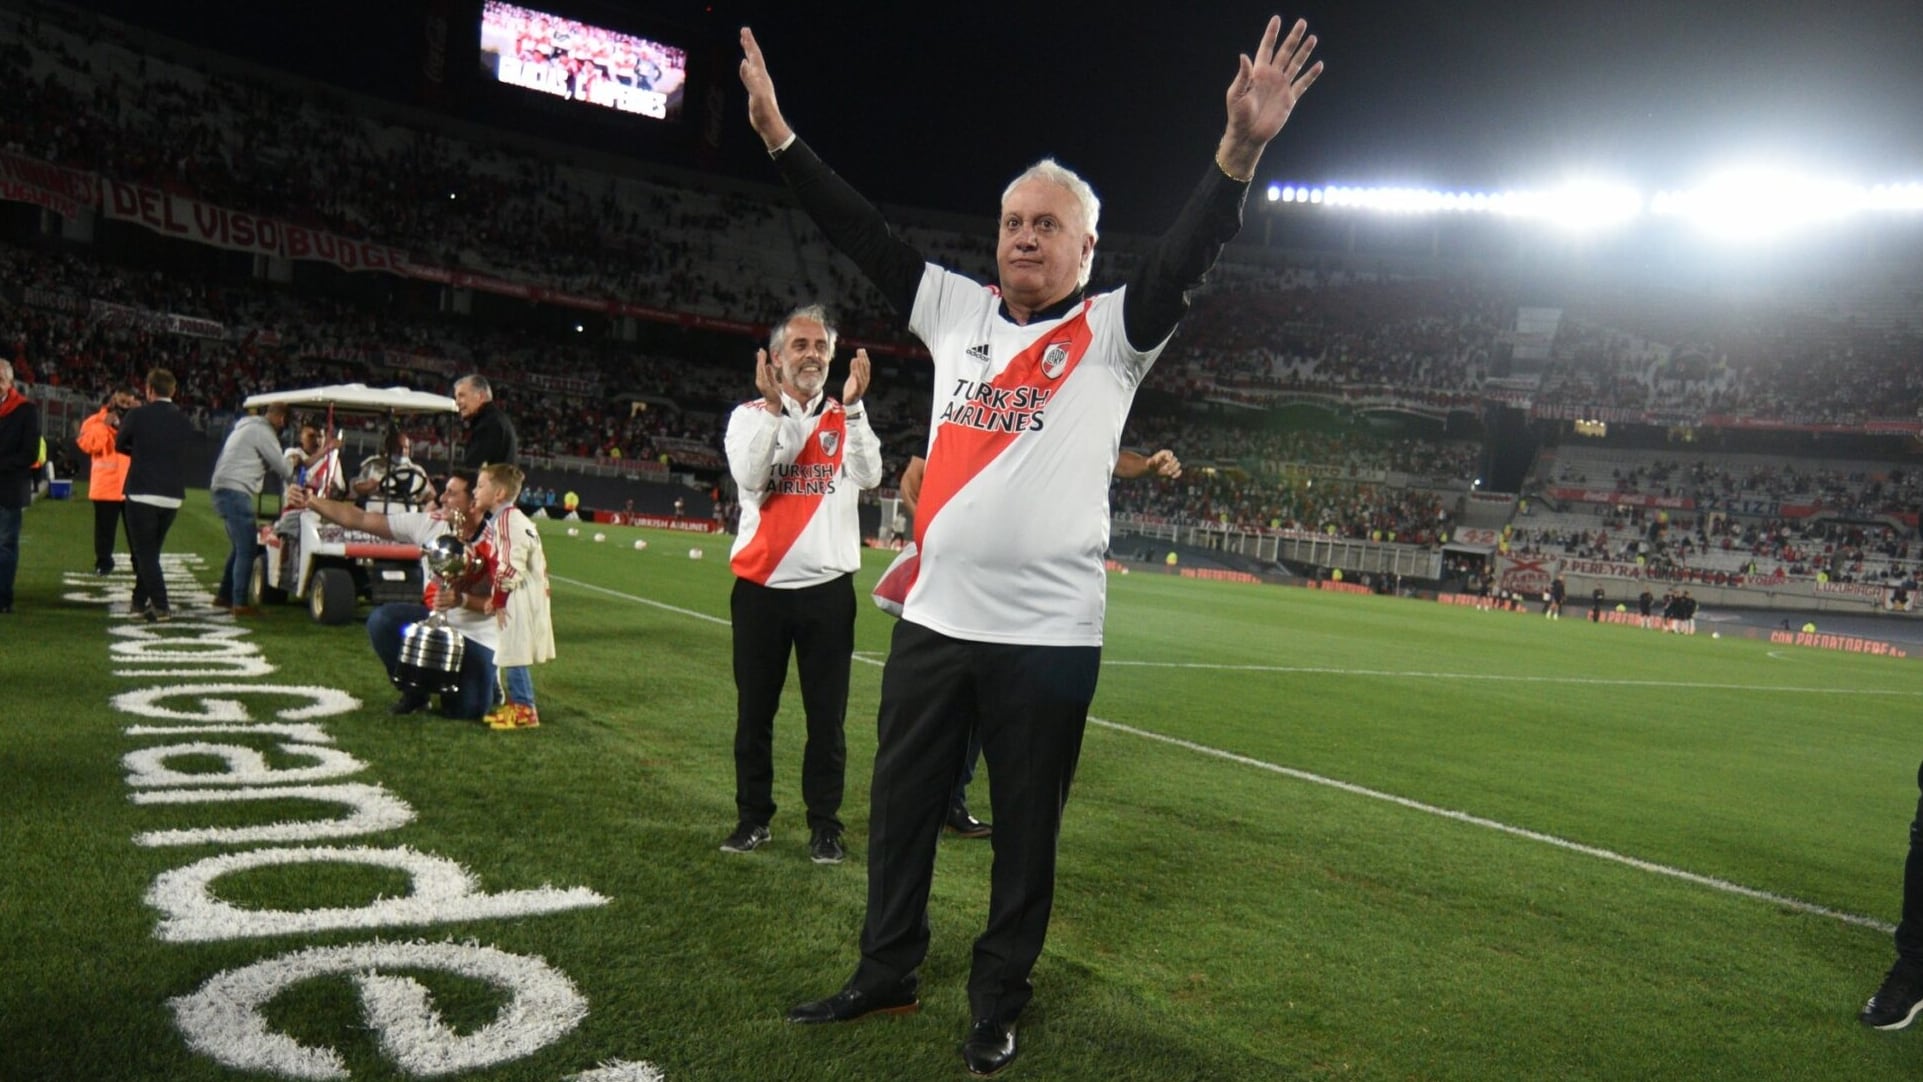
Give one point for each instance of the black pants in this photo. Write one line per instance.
(1909, 932)
(107, 518)
(816, 624)
(1030, 705)
(147, 528)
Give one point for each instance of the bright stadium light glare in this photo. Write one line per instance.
(1759, 204)
(1590, 205)
(1741, 204)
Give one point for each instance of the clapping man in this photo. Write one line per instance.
(800, 459)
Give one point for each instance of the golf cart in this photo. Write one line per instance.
(307, 558)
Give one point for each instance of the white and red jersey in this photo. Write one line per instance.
(420, 527)
(800, 474)
(1013, 522)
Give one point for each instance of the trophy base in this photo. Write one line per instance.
(419, 681)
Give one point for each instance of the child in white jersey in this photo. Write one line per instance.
(520, 596)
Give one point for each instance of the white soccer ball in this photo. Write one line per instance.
(600, 537)
(640, 544)
(694, 554)
(1124, 570)
(1715, 634)
(574, 531)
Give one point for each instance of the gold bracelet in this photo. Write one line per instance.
(1226, 173)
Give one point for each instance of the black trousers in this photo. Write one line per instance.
(108, 515)
(816, 624)
(1030, 705)
(147, 528)
(1909, 932)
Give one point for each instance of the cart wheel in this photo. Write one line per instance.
(331, 596)
(260, 591)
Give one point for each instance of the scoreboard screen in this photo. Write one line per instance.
(576, 61)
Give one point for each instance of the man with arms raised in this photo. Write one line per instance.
(1033, 382)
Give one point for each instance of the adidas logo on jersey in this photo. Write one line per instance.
(979, 353)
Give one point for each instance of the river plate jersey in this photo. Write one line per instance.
(803, 528)
(1012, 523)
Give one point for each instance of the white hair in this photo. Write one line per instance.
(1068, 180)
(816, 312)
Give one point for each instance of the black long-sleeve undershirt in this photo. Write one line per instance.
(1157, 294)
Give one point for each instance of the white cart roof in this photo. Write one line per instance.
(357, 398)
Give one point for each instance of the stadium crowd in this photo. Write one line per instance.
(86, 94)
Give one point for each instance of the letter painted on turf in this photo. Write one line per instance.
(443, 892)
(224, 1019)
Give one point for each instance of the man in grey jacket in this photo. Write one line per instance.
(252, 449)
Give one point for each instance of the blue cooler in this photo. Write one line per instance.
(60, 490)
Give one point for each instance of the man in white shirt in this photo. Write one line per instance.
(464, 603)
(1034, 376)
(800, 460)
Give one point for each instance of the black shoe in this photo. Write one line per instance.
(990, 1047)
(966, 825)
(1897, 1002)
(851, 1004)
(747, 838)
(410, 702)
(103, 570)
(825, 847)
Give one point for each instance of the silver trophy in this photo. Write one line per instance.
(431, 650)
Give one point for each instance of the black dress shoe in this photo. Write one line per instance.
(410, 702)
(990, 1047)
(852, 1003)
(966, 825)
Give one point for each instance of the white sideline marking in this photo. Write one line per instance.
(1353, 789)
(1522, 679)
(1519, 832)
(639, 600)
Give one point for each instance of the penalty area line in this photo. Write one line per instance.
(1650, 866)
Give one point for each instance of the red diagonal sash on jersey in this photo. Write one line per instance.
(784, 515)
(960, 452)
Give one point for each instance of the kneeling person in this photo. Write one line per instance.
(464, 604)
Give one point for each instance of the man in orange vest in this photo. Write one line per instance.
(109, 475)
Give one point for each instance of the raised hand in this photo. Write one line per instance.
(1163, 463)
(764, 113)
(768, 380)
(858, 375)
(1264, 93)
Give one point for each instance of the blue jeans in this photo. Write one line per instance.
(520, 685)
(236, 510)
(9, 552)
(386, 625)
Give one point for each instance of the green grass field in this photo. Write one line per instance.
(1662, 858)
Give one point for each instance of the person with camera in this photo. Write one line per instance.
(463, 602)
(251, 450)
(107, 478)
